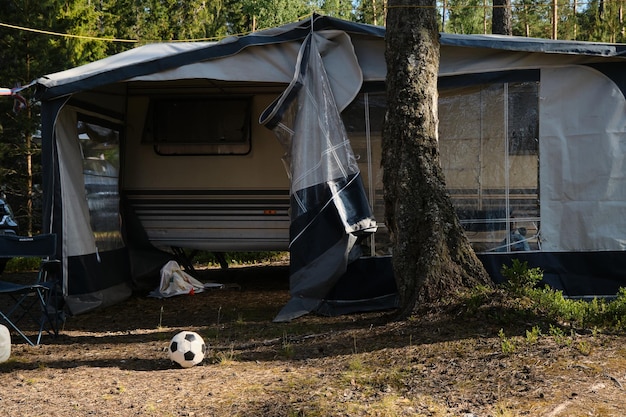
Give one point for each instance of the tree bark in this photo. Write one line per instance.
(432, 257)
(501, 21)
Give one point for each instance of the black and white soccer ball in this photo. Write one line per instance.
(187, 349)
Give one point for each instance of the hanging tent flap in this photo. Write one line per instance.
(329, 207)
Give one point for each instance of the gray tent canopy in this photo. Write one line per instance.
(532, 134)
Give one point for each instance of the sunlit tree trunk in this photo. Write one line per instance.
(432, 257)
(555, 20)
(484, 16)
(29, 182)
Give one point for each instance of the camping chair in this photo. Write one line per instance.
(25, 296)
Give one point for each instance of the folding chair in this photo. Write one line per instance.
(42, 293)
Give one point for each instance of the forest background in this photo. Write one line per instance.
(39, 37)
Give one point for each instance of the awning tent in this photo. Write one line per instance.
(581, 135)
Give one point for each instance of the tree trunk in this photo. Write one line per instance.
(501, 21)
(431, 255)
(555, 20)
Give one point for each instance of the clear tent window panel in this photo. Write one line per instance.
(488, 139)
(100, 143)
(489, 153)
(363, 120)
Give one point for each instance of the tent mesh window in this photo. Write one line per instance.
(363, 120)
(489, 137)
(100, 146)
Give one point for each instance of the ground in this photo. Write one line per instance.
(445, 362)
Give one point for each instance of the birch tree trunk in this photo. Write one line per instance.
(432, 257)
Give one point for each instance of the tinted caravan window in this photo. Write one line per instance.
(199, 126)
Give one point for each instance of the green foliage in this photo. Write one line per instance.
(22, 265)
(601, 21)
(466, 16)
(520, 278)
(556, 332)
(252, 15)
(531, 18)
(370, 11)
(584, 348)
(551, 305)
(611, 314)
(477, 297)
(82, 19)
(342, 9)
(586, 314)
(507, 345)
(533, 335)
(24, 56)
(597, 20)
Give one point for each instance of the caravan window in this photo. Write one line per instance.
(199, 126)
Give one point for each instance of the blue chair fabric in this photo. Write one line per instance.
(37, 301)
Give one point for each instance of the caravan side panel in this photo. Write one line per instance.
(210, 202)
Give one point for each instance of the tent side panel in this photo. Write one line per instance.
(50, 170)
(93, 276)
(108, 281)
(583, 198)
(577, 274)
(582, 156)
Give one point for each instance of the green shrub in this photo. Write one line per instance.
(22, 264)
(477, 297)
(613, 313)
(520, 278)
(507, 345)
(550, 304)
(533, 335)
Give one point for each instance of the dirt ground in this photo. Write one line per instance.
(113, 362)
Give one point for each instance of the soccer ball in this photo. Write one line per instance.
(187, 349)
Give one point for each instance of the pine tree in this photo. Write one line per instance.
(25, 55)
(465, 17)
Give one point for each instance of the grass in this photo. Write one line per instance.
(287, 347)
(532, 336)
(238, 258)
(507, 345)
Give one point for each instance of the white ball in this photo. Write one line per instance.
(187, 349)
(5, 343)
